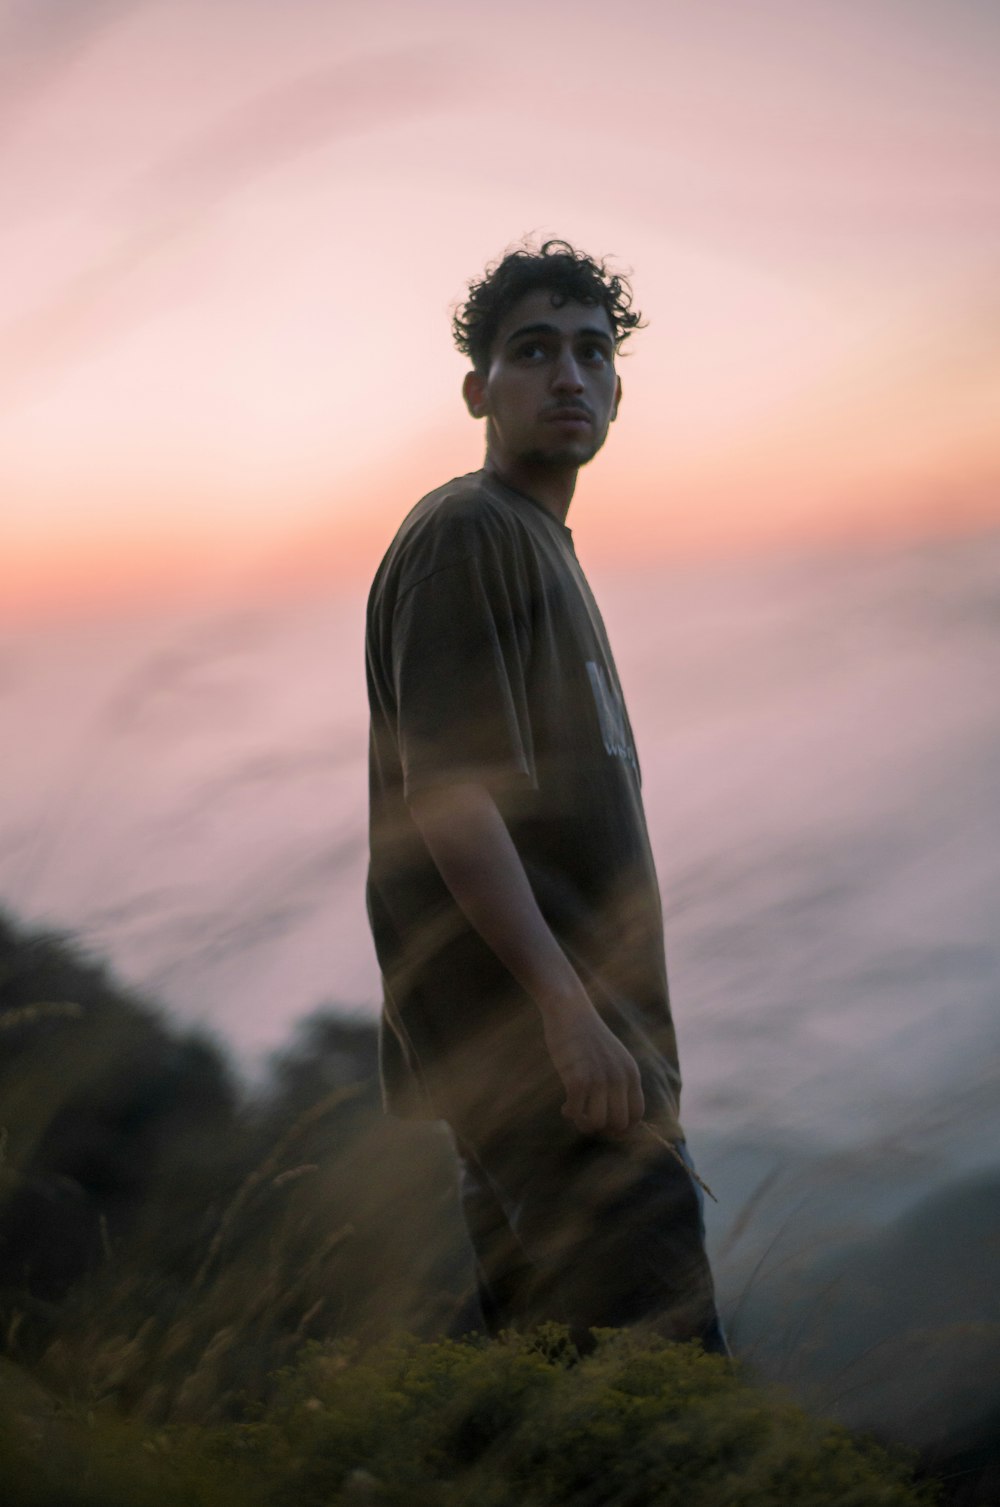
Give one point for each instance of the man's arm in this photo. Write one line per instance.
(472, 848)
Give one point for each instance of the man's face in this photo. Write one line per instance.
(551, 389)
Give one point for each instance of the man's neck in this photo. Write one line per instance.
(551, 488)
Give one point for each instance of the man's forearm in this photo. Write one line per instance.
(473, 851)
(472, 848)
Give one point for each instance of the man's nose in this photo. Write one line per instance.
(566, 375)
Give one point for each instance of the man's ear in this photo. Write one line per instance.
(618, 398)
(474, 393)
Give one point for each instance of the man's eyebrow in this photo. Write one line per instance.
(551, 329)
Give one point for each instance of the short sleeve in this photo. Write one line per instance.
(458, 656)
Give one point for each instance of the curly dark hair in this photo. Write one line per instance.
(556, 265)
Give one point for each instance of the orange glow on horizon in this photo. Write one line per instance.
(678, 518)
(224, 352)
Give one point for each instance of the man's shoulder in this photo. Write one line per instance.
(455, 522)
(465, 506)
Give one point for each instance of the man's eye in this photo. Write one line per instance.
(594, 353)
(531, 349)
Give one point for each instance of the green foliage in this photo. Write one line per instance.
(521, 1422)
(525, 1423)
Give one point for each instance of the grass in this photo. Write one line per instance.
(518, 1422)
(202, 1296)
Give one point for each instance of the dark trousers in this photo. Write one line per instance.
(588, 1231)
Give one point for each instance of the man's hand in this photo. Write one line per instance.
(600, 1076)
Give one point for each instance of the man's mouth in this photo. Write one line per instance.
(568, 416)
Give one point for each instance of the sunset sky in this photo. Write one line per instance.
(233, 234)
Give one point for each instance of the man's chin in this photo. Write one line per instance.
(562, 457)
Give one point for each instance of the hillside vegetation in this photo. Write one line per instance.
(203, 1292)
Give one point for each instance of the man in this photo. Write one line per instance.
(512, 893)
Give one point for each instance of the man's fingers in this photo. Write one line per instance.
(618, 1110)
(605, 1095)
(576, 1102)
(596, 1116)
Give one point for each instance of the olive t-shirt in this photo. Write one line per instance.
(487, 661)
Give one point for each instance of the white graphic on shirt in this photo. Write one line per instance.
(611, 716)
